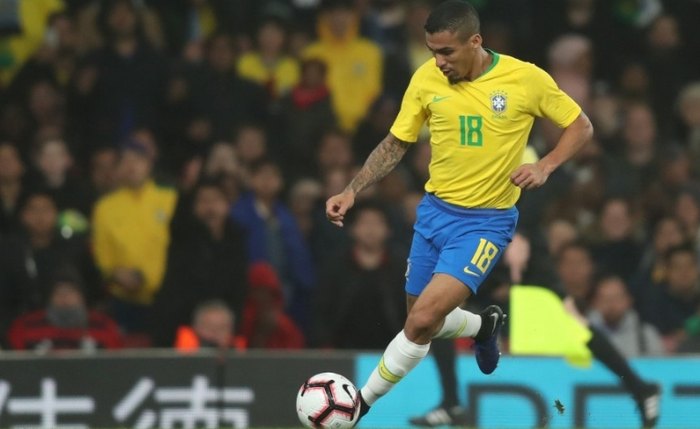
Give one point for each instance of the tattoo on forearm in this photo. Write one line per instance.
(380, 162)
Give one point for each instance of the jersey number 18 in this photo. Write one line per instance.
(470, 130)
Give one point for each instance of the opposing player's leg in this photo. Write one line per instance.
(646, 395)
(448, 412)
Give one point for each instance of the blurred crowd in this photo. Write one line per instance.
(164, 166)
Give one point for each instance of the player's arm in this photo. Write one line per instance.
(380, 162)
(547, 100)
(574, 137)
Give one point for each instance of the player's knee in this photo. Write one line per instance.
(421, 325)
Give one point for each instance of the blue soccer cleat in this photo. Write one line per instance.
(486, 340)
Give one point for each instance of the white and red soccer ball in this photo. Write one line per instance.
(328, 401)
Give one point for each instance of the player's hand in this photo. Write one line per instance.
(529, 176)
(338, 205)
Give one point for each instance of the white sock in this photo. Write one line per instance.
(400, 356)
(459, 324)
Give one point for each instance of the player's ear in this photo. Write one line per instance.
(475, 41)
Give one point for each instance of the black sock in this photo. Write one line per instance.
(604, 351)
(445, 356)
(364, 408)
(485, 330)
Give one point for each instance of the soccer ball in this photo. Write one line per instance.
(329, 401)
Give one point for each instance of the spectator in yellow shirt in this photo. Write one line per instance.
(269, 65)
(30, 20)
(131, 235)
(354, 63)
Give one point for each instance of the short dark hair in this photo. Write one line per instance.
(455, 16)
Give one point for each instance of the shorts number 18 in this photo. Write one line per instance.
(484, 255)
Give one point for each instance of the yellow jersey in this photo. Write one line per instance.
(131, 228)
(479, 129)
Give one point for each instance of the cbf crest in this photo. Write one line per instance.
(499, 103)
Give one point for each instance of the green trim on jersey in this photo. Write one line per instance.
(496, 57)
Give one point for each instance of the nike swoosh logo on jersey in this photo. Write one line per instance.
(468, 271)
(437, 99)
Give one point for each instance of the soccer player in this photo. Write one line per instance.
(480, 107)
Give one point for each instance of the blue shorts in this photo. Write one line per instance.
(464, 243)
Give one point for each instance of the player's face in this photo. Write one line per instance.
(454, 55)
